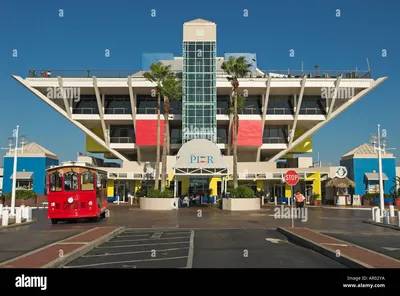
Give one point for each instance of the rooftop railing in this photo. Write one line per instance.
(349, 74)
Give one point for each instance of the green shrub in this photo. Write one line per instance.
(259, 193)
(160, 194)
(141, 192)
(242, 192)
(372, 196)
(23, 194)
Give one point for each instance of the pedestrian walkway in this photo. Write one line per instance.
(141, 249)
(342, 251)
(56, 254)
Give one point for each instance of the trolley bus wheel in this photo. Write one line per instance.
(54, 221)
(95, 219)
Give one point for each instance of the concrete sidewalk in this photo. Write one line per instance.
(348, 254)
(64, 251)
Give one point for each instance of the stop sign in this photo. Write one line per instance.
(291, 178)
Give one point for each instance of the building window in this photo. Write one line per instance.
(117, 105)
(87, 181)
(101, 181)
(86, 105)
(56, 182)
(122, 134)
(71, 181)
(280, 105)
(313, 105)
(275, 134)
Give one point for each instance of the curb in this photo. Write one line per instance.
(60, 262)
(345, 260)
(382, 225)
(19, 225)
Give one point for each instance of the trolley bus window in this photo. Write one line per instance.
(87, 181)
(101, 181)
(71, 181)
(55, 182)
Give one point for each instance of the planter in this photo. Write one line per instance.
(241, 204)
(366, 202)
(31, 202)
(397, 201)
(157, 204)
(315, 202)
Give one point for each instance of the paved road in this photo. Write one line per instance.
(205, 218)
(388, 244)
(19, 240)
(201, 249)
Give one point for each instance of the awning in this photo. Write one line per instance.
(200, 157)
(23, 176)
(375, 176)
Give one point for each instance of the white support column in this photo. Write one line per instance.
(132, 97)
(298, 107)
(175, 186)
(334, 96)
(230, 131)
(343, 107)
(64, 113)
(264, 114)
(66, 104)
(101, 111)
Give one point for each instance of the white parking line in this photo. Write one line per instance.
(136, 252)
(166, 233)
(130, 261)
(134, 235)
(146, 239)
(128, 246)
(191, 251)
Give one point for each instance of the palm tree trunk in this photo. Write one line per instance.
(168, 138)
(164, 155)
(235, 132)
(157, 173)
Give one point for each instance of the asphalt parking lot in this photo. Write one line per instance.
(185, 248)
(141, 249)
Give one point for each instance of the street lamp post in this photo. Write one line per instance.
(14, 181)
(379, 141)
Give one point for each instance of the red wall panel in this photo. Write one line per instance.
(146, 132)
(250, 133)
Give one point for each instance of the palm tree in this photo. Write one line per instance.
(158, 74)
(171, 91)
(235, 68)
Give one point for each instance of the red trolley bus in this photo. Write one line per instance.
(75, 191)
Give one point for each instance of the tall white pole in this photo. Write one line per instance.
(381, 190)
(14, 183)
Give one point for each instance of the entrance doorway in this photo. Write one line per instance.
(279, 191)
(199, 185)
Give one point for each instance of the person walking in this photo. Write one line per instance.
(299, 198)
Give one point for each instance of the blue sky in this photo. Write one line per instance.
(310, 27)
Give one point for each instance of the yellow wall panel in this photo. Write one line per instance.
(185, 185)
(260, 185)
(110, 188)
(91, 145)
(303, 147)
(214, 185)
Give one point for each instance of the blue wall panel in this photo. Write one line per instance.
(251, 58)
(357, 168)
(150, 58)
(37, 165)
